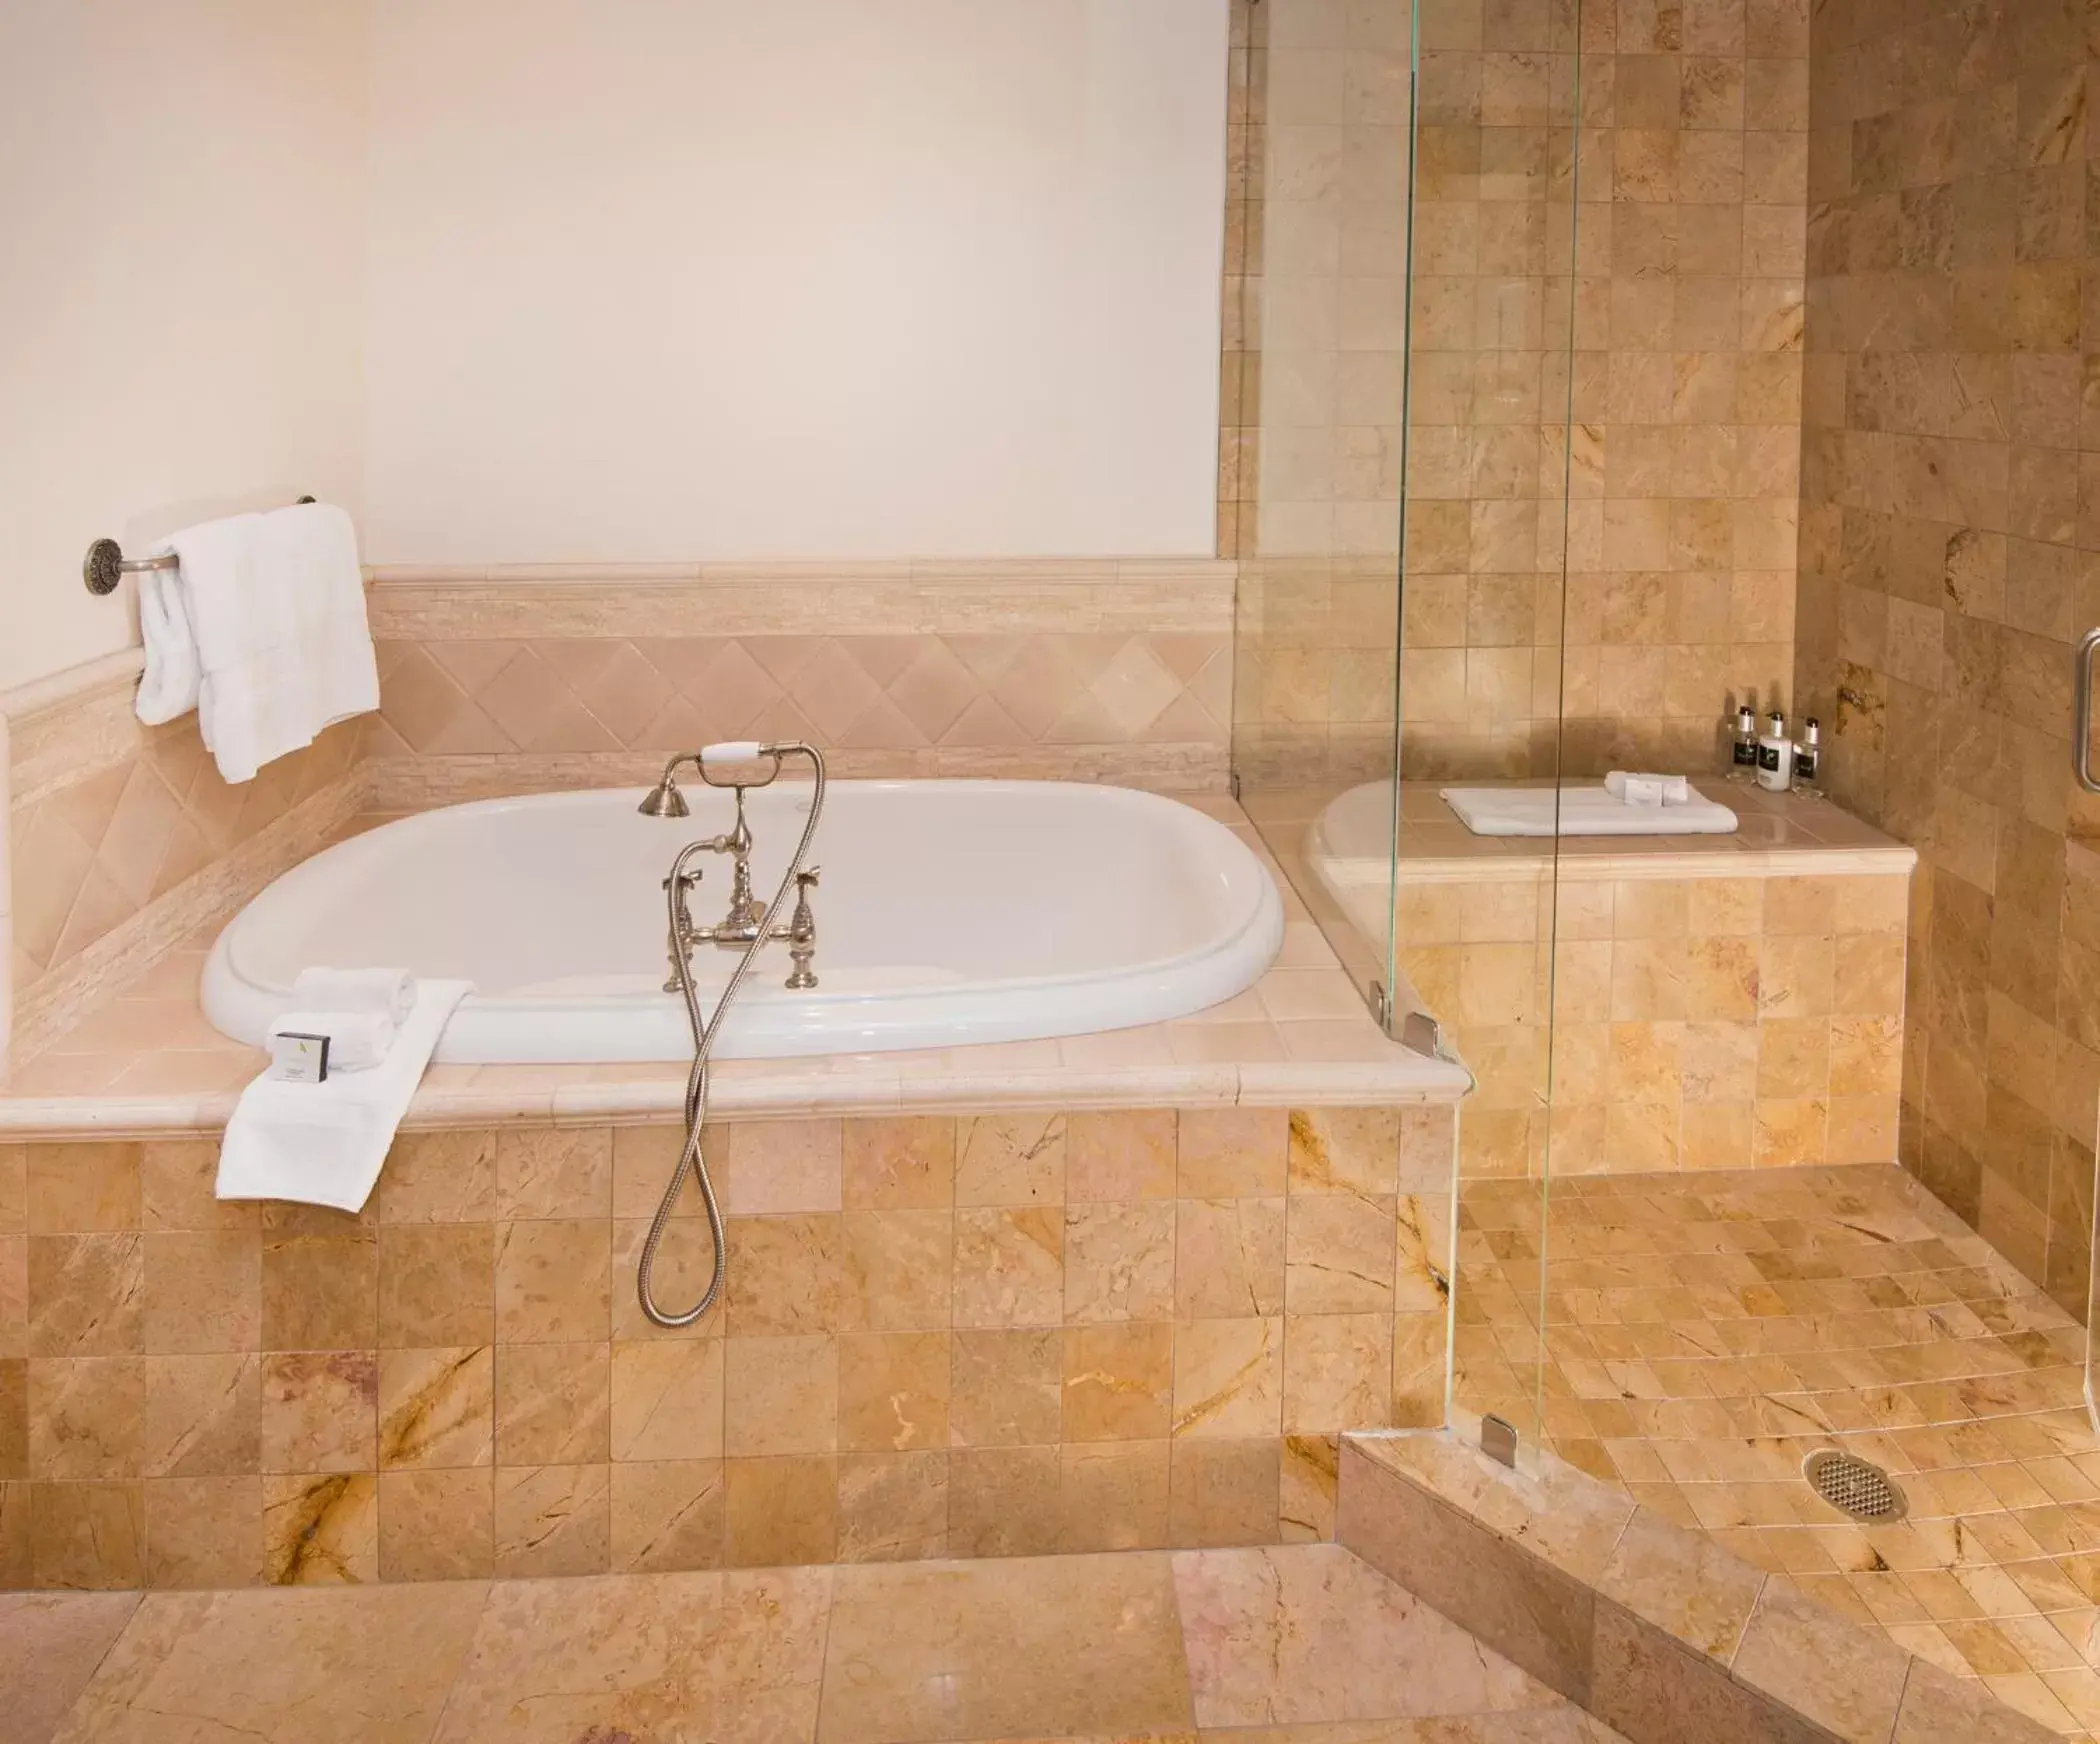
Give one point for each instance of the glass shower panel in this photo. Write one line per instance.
(2081, 914)
(1398, 506)
(2092, 1290)
(1489, 445)
(1315, 464)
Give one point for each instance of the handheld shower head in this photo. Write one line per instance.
(663, 800)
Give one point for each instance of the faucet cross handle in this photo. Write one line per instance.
(680, 942)
(687, 882)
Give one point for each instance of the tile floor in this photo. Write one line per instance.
(1705, 1333)
(1296, 1645)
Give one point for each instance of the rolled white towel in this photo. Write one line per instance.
(390, 991)
(1648, 789)
(357, 1040)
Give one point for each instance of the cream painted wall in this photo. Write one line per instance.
(677, 279)
(546, 280)
(180, 296)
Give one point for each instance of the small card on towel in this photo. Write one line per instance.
(298, 1058)
(324, 1144)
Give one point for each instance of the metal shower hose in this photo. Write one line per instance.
(690, 1158)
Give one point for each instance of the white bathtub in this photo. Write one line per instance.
(950, 912)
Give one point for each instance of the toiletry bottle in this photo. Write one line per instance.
(1743, 765)
(1775, 755)
(1808, 758)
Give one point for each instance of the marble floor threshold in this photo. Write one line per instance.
(1299, 1644)
(1703, 1334)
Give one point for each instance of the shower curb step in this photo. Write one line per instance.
(1652, 1627)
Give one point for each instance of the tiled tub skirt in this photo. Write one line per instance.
(941, 1337)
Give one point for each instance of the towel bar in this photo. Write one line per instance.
(106, 564)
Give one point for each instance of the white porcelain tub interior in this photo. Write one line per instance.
(950, 912)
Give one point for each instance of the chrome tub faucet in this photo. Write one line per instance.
(745, 923)
(744, 926)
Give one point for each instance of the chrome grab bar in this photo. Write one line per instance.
(2082, 712)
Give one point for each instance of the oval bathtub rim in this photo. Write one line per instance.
(1146, 992)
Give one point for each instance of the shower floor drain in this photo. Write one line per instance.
(1853, 1486)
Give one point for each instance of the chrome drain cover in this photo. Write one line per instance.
(1853, 1486)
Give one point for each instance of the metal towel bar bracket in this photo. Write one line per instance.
(105, 564)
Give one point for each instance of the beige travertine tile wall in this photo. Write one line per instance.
(1309, 482)
(1698, 1023)
(970, 1337)
(1947, 562)
(122, 838)
(1112, 669)
(1684, 454)
(1677, 275)
(1239, 358)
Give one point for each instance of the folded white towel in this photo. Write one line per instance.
(1581, 811)
(323, 1144)
(357, 1040)
(392, 991)
(276, 604)
(169, 685)
(1646, 789)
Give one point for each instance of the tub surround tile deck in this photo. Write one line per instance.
(520, 680)
(1772, 829)
(1778, 835)
(991, 1336)
(1085, 1649)
(1703, 1336)
(147, 1063)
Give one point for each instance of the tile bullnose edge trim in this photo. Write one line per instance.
(652, 1101)
(68, 686)
(1415, 1504)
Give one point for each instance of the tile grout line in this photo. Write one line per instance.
(1757, 1604)
(831, 1608)
(103, 1657)
(1910, 1670)
(437, 1725)
(1181, 1633)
